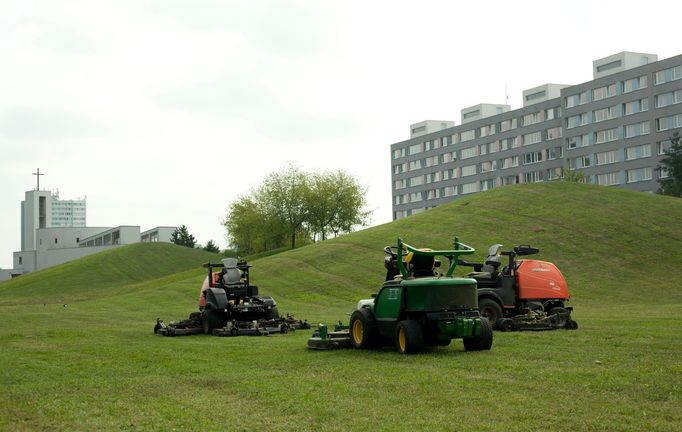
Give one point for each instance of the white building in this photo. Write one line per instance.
(54, 231)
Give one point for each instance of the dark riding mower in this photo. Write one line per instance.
(522, 295)
(417, 306)
(230, 306)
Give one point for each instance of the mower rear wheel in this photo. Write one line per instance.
(409, 337)
(364, 332)
(483, 341)
(205, 324)
(490, 309)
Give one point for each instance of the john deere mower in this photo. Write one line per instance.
(523, 294)
(417, 306)
(230, 306)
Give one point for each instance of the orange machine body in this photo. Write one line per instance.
(540, 280)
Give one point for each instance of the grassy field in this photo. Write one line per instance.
(78, 353)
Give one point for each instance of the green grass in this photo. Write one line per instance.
(95, 364)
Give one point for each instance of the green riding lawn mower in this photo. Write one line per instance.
(417, 306)
(230, 306)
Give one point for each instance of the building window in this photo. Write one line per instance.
(638, 152)
(416, 148)
(606, 136)
(532, 118)
(469, 188)
(670, 98)
(607, 157)
(608, 179)
(532, 157)
(508, 125)
(637, 175)
(575, 100)
(488, 166)
(416, 181)
(554, 133)
(603, 92)
(576, 121)
(398, 153)
(668, 75)
(637, 129)
(634, 84)
(468, 153)
(449, 191)
(467, 135)
(554, 153)
(532, 138)
(486, 185)
(468, 170)
(636, 106)
(509, 180)
(663, 146)
(532, 177)
(416, 164)
(604, 114)
(665, 123)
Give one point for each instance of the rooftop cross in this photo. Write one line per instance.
(38, 174)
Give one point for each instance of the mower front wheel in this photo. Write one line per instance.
(489, 309)
(409, 337)
(484, 341)
(364, 332)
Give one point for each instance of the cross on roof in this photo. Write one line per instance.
(38, 174)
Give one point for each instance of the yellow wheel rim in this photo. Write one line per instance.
(357, 332)
(402, 339)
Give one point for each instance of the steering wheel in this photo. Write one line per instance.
(393, 251)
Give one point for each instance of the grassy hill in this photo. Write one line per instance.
(95, 364)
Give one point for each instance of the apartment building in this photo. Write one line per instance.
(613, 129)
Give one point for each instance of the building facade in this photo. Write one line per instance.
(613, 129)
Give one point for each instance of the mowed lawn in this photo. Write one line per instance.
(86, 359)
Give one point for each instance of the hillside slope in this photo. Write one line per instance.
(612, 245)
(103, 274)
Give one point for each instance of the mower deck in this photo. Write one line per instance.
(537, 321)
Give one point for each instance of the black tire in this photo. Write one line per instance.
(489, 309)
(505, 324)
(571, 325)
(483, 341)
(272, 314)
(409, 337)
(205, 324)
(364, 332)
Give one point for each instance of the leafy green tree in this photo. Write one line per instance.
(295, 207)
(211, 247)
(284, 196)
(182, 237)
(335, 204)
(672, 165)
(251, 228)
(572, 175)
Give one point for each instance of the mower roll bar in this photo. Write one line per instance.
(452, 255)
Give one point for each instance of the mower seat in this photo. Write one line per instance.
(232, 276)
(491, 264)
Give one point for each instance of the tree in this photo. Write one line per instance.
(182, 237)
(211, 247)
(572, 175)
(335, 204)
(294, 207)
(671, 164)
(284, 196)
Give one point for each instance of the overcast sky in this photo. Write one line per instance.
(163, 112)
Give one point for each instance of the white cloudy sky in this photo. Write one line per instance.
(163, 111)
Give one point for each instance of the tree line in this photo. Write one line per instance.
(292, 206)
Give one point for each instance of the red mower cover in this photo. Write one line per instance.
(540, 280)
